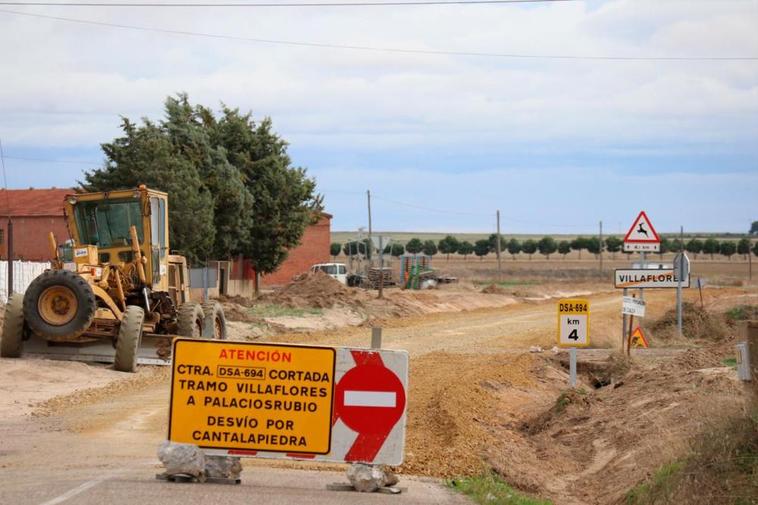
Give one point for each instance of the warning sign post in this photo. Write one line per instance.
(262, 397)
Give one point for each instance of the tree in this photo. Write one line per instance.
(414, 246)
(728, 248)
(514, 247)
(743, 247)
(448, 246)
(335, 249)
(465, 248)
(578, 244)
(694, 246)
(354, 248)
(614, 245)
(232, 187)
(755, 248)
(492, 239)
(529, 247)
(564, 247)
(146, 155)
(398, 249)
(711, 246)
(482, 248)
(547, 246)
(430, 248)
(754, 228)
(285, 200)
(387, 249)
(594, 246)
(664, 247)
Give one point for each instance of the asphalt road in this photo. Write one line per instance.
(102, 455)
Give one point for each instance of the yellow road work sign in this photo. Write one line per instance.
(259, 397)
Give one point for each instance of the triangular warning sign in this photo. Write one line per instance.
(642, 231)
(638, 338)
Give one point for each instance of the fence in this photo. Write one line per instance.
(24, 273)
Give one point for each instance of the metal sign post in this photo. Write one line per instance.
(572, 367)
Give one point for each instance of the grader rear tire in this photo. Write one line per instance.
(190, 322)
(11, 341)
(214, 324)
(129, 337)
(59, 303)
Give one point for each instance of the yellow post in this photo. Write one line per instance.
(137, 254)
(54, 251)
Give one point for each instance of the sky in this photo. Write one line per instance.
(641, 111)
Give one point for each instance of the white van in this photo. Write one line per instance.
(335, 270)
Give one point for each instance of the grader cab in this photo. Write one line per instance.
(114, 291)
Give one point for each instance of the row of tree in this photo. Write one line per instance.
(231, 184)
(545, 246)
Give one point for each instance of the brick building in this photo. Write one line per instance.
(313, 248)
(35, 213)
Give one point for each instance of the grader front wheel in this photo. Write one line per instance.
(129, 336)
(214, 324)
(59, 303)
(190, 322)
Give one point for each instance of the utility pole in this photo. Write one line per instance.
(679, 282)
(370, 244)
(9, 228)
(601, 246)
(499, 264)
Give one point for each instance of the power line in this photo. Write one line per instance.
(429, 209)
(390, 3)
(381, 49)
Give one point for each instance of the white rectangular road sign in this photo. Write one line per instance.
(633, 306)
(573, 322)
(664, 278)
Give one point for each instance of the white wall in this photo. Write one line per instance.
(24, 273)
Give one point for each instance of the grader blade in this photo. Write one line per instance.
(153, 350)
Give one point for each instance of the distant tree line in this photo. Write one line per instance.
(546, 246)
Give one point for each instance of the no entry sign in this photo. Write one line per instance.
(359, 406)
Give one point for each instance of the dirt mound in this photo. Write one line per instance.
(494, 289)
(697, 323)
(571, 403)
(239, 300)
(314, 289)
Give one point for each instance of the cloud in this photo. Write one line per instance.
(65, 84)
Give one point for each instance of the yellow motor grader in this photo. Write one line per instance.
(114, 292)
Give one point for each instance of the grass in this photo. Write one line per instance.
(489, 489)
(732, 362)
(721, 469)
(269, 310)
(658, 488)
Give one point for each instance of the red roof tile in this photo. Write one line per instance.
(33, 202)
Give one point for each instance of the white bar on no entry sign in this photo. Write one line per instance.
(370, 399)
